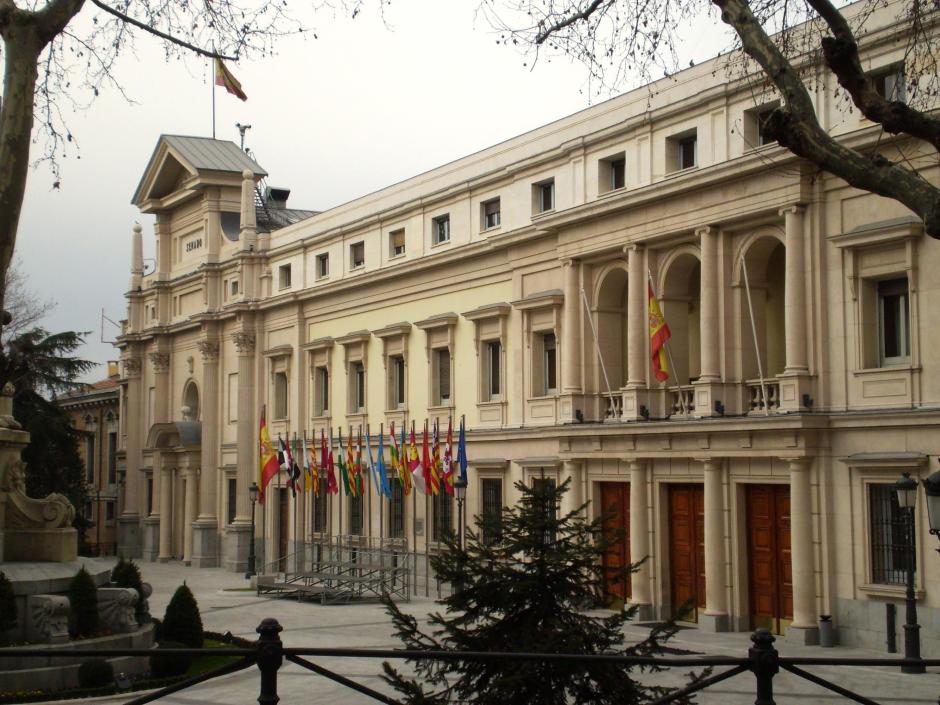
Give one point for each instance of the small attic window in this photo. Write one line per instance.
(231, 225)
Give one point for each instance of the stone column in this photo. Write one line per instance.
(247, 456)
(803, 629)
(571, 328)
(639, 541)
(795, 293)
(638, 359)
(708, 322)
(575, 496)
(189, 513)
(205, 552)
(129, 521)
(715, 617)
(166, 515)
(160, 362)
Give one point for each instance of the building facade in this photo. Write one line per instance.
(510, 288)
(95, 414)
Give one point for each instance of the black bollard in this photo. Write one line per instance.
(764, 664)
(270, 658)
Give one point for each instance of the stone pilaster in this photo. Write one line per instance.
(205, 549)
(571, 388)
(166, 515)
(574, 498)
(715, 616)
(640, 593)
(236, 558)
(803, 629)
(129, 520)
(191, 480)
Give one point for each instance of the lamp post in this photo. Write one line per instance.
(932, 490)
(253, 496)
(460, 490)
(906, 489)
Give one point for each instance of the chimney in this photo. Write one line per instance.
(114, 370)
(276, 196)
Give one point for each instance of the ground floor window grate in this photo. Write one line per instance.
(891, 546)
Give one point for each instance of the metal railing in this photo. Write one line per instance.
(268, 654)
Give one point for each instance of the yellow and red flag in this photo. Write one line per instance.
(659, 334)
(268, 466)
(224, 78)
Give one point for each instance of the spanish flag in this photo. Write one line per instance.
(224, 78)
(268, 466)
(659, 334)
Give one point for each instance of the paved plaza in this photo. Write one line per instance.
(227, 605)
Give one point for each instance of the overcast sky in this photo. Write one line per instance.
(361, 107)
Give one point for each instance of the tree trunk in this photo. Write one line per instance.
(22, 46)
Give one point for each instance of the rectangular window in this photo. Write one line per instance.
(761, 118)
(90, 459)
(440, 228)
(891, 540)
(109, 511)
(233, 287)
(890, 83)
(550, 508)
(494, 353)
(687, 152)
(544, 194)
(231, 506)
(357, 255)
(280, 395)
(490, 213)
(355, 515)
(396, 243)
(492, 514)
(442, 376)
(612, 173)
(112, 458)
(321, 393)
(894, 322)
(320, 503)
(323, 265)
(149, 496)
(358, 375)
(283, 276)
(549, 367)
(396, 511)
(396, 382)
(443, 516)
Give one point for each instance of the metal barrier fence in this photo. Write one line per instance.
(268, 654)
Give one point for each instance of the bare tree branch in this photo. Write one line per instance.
(163, 35)
(569, 20)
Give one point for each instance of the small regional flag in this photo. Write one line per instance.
(224, 78)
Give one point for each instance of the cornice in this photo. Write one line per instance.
(488, 311)
(393, 330)
(441, 320)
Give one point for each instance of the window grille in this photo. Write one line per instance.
(355, 515)
(891, 547)
(492, 491)
(443, 515)
(396, 512)
(319, 508)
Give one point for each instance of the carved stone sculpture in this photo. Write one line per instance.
(47, 619)
(116, 608)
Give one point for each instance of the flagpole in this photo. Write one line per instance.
(597, 347)
(297, 507)
(672, 363)
(368, 438)
(414, 521)
(382, 483)
(750, 309)
(212, 88)
(339, 535)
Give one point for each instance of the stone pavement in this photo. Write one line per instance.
(227, 605)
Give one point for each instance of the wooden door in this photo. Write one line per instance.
(687, 548)
(283, 524)
(615, 503)
(770, 569)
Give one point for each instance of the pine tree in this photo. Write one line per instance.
(526, 592)
(83, 600)
(182, 622)
(126, 574)
(8, 610)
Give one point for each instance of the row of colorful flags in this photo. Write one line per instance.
(311, 467)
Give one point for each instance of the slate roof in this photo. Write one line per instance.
(205, 153)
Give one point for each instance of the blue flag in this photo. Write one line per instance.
(462, 452)
(384, 487)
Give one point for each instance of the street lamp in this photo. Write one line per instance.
(460, 489)
(906, 489)
(253, 496)
(932, 490)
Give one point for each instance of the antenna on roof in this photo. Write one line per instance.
(242, 129)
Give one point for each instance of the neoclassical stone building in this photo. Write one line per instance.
(475, 289)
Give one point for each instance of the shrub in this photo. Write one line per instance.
(7, 605)
(126, 574)
(182, 621)
(84, 604)
(167, 665)
(95, 672)
(157, 629)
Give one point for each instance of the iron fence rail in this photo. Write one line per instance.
(268, 654)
